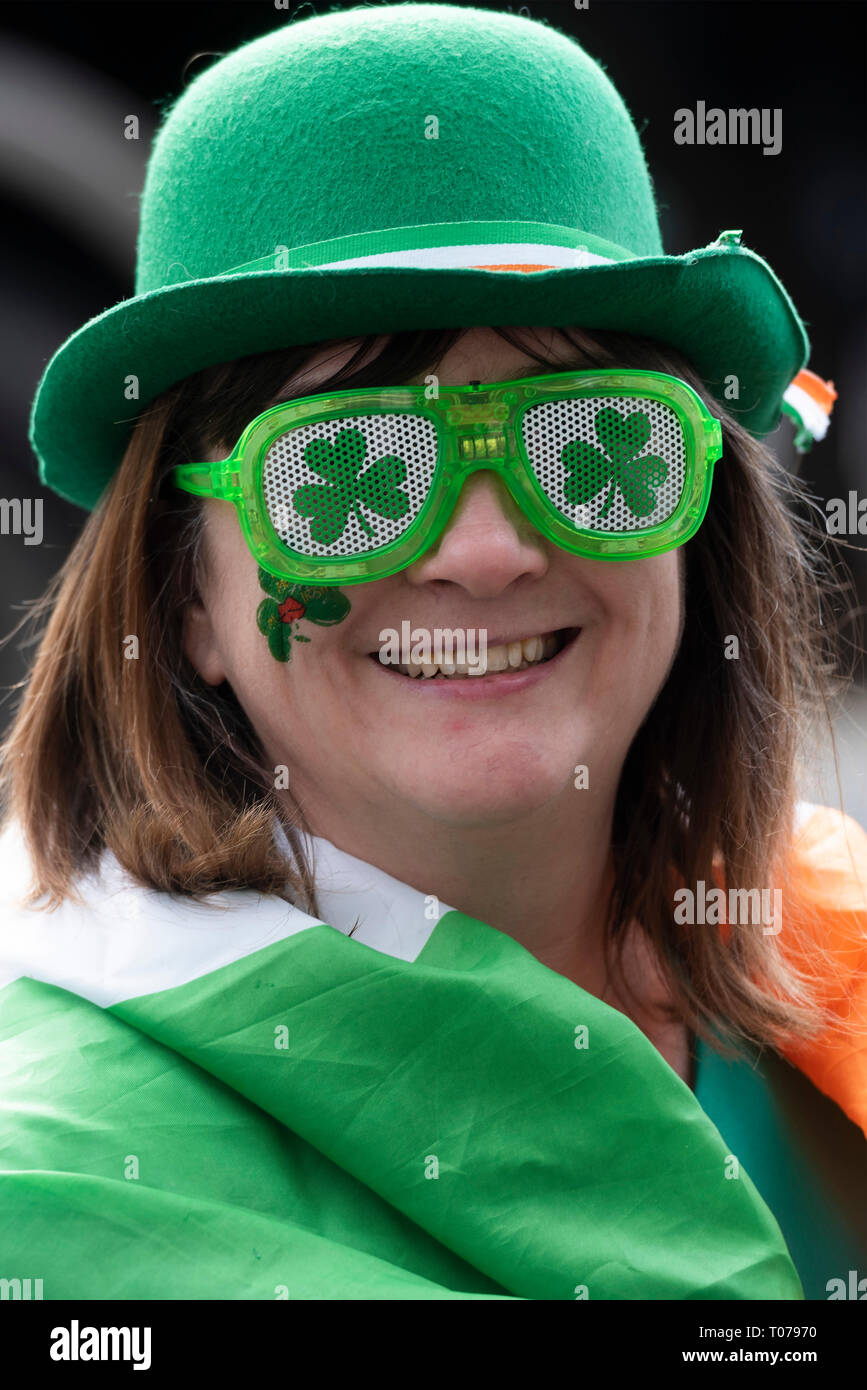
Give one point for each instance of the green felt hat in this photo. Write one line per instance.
(399, 167)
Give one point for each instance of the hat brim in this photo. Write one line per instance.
(722, 307)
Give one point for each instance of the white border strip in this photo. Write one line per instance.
(483, 254)
(126, 940)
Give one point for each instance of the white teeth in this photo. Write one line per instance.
(508, 656)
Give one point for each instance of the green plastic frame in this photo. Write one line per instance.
(478, 427)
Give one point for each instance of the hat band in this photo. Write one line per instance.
(512, 246)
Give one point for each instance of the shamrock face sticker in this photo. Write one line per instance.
(346, 490)
(279, 614)
(618, 464)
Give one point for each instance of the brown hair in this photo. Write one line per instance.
(167, 773)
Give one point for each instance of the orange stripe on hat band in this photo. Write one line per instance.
(527, 268)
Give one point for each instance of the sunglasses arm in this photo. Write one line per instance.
(220, 479)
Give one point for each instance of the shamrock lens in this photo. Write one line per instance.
(607, 463)
(349, 486)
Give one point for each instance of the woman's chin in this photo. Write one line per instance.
(488, 795)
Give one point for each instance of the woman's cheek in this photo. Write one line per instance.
(289, 612)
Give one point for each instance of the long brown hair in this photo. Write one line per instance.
(123, 747)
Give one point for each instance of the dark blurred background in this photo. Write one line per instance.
(70, 184)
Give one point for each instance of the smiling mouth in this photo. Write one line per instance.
(503, 659)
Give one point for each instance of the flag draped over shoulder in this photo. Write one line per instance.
(826, 921)
(237, 1101)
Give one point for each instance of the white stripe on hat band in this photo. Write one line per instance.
(488, 253)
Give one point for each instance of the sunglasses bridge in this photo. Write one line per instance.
(480, 437)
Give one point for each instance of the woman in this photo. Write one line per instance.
(376, 968)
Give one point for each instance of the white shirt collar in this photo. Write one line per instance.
(357, 898)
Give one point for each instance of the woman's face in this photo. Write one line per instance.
(360, 738)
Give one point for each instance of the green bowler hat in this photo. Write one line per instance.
(398, 167)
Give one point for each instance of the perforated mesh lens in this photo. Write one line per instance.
(607, 463)
(349, 486)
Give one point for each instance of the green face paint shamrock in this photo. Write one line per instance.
(623, 437)
(344, 491)
(285, 606)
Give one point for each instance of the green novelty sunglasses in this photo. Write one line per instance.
(356, 485)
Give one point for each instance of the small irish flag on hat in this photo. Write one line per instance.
(809, 401)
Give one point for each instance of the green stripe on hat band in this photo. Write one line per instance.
(473, 238)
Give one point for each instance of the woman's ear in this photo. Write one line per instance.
(200, 643)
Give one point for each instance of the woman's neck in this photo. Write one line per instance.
(546, 882)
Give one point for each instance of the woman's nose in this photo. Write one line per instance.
(487, 544)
